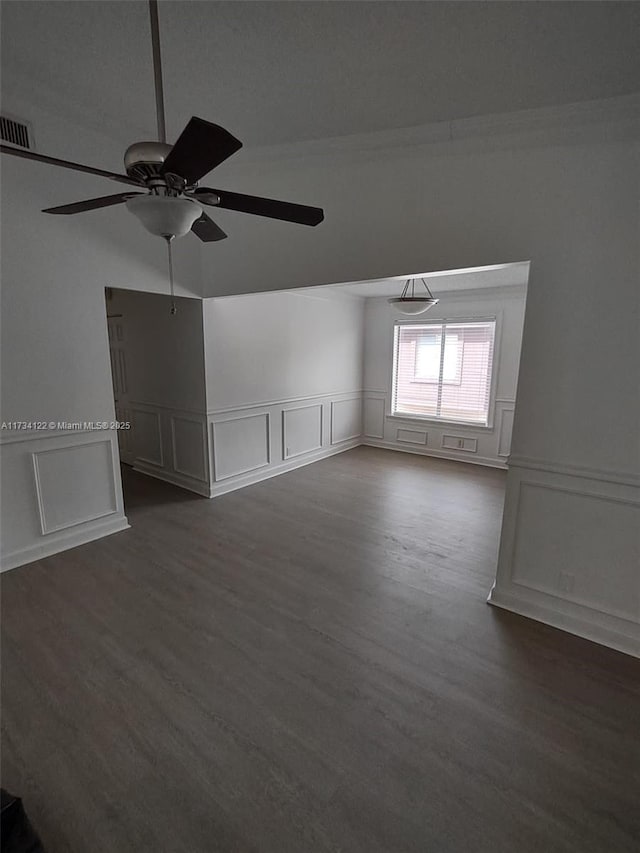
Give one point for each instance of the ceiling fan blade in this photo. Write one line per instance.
(270, 207)
(67, 164)
(206, 229)
(200, 148)
(91, 203)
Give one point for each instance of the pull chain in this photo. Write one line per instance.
(173, 310)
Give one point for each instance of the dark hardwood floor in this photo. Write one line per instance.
(309, 665)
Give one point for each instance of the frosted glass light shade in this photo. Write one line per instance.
(165, 216)
(413, 304)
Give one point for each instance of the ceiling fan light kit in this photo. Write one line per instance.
(173, 203)
(164, 215)
(410, 304)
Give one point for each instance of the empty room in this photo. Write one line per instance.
(320, 446)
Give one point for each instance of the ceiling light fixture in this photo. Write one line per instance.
(409, 303)
(165, 215)
(168, 217)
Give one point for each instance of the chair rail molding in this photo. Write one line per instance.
(609, 475)
(262, 404)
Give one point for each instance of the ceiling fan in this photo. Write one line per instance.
(171, 203)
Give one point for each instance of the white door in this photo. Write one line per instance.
(118, 352)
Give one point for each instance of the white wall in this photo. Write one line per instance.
(61, 487)
(284, 382)
(489, 446)
(165, 385)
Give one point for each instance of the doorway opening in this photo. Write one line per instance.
(444, 383)
(157, 375)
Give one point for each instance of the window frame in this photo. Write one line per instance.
(442, 321)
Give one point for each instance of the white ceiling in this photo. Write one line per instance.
(286, 71)
(447, 281)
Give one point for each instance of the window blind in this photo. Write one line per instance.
(443, 370)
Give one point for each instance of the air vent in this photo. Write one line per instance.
(16, 132)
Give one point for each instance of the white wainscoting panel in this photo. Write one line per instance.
(171, 444)
(411, 436)
(301, 430)
(60, 489)
(253, 442)
(64, 498)
(346, 419)
(460, 442)
(505, 429)
(572, 559)
(147, 436)
(188, 440)
(557, 566)
(240, 445)
(373, 416)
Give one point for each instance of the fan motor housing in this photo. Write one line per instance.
(144, 159)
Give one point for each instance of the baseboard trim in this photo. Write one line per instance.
(242, 480)
(485, 461)
(63, 543)
(196, 486)
(597, 633)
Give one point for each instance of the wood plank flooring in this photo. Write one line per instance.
(309, 665)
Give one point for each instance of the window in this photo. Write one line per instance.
(427, 367)
(442, 370)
